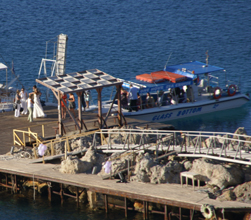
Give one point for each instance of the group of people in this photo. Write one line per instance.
(31, 104)
(131, 95)
(71, 103)
(175, 95)
(135, 100)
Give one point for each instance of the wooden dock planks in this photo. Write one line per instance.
(169, 194)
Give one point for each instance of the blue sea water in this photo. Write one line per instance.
(126, 38)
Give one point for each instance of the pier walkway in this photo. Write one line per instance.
(8, 122)
(166, 194)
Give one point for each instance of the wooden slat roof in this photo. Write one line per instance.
(79, 81)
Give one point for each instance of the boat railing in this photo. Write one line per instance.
(214, 80)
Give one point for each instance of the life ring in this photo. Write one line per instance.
(230, 89)
(207, 211)
(216, 95)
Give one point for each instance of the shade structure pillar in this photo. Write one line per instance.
(99, 107)
(79, 94)
(59, 113)
(119, 105)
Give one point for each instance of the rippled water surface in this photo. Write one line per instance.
(126, 38)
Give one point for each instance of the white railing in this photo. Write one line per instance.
(194, 142)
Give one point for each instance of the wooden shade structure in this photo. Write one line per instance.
(78, 82)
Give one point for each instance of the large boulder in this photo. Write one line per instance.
(170, 173)
(85, 164)
(243, 192)
(218, 174)
(71, 166)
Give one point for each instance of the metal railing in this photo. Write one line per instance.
(194, 142)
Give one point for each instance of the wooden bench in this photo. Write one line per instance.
(192, 176)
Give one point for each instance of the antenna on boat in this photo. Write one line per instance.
(207, 58)
(167, 60)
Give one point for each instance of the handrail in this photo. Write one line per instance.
(216, 140)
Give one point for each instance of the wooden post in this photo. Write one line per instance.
(119, 105)
(99, 107)
(61, 193)
(166, 214)
(180, 214)
(49, 191)
(43, 131)
(59, 114)
(126, 207)
(58, 97)
(15, 183)
(79, 94)
(144, 210)
(77, 196)
(106, 203)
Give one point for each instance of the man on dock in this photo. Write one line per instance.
(132, 95)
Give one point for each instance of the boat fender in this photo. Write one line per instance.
(230, 88)
(217, 95)
(207, 211)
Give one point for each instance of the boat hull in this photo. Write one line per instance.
(183, 110)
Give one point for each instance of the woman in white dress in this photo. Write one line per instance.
(38, 111)
(24, 97)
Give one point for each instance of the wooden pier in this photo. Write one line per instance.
(8, 122)
(168, 195)
(173, 198)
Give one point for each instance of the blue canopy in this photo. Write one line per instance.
(192, 68)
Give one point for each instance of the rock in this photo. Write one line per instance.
(138, 205)
(83, 196)
(141, 176)
(92, 199)
(243, 192)
(71, 166)
(241, 131)
(85, 164)
(187, 165)
(42, 188)
(217, 174)
(30, 183)
(228, 195)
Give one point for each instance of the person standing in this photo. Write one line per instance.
(63, 107)
(18, 102)
(38, 109)
(83, 100)
(24, 97)
(87, 98)
(72, 104)
(139, 102)
(30, 108)
(133, 98)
